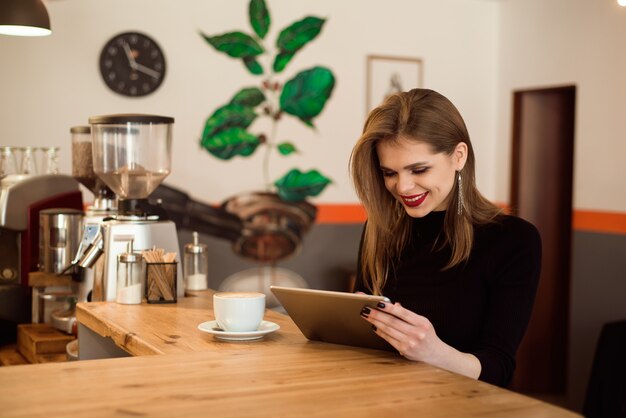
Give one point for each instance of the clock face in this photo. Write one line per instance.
(132, 64)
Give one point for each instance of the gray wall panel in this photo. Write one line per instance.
(327, 256)
(598, 296)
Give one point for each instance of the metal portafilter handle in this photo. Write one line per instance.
(92, 252)
(87, 253)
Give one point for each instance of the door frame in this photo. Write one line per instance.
(516, 142)
(557, 384)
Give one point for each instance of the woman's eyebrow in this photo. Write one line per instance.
(415, 165)
(407, 167)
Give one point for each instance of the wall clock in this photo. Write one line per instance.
(132, 64)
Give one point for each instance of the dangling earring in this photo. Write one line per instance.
(459, 181)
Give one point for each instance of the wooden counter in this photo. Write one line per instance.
(281, 375)
(171, 328)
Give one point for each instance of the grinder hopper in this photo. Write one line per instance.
(82, 170)
(132, 155)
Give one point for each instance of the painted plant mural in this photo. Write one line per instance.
(228, 131)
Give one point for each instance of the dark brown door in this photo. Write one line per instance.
(541, 192)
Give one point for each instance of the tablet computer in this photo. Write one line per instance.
(332, 317)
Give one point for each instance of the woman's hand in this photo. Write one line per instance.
(411, 334)
(415, 338)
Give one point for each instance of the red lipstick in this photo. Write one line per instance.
(415, 200)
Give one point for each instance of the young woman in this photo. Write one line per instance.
(461, 274)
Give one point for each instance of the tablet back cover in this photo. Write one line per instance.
(332, 317)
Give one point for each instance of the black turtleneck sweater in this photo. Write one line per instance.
(480, 307)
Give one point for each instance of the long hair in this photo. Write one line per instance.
(428, 117)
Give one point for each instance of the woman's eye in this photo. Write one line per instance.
(388, 173)
(419, 171)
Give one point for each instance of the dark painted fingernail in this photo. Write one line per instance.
(374, 328)
(380, 305)
(365, 312)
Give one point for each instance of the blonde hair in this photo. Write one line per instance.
(428, 117)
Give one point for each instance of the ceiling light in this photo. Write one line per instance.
(24, 18)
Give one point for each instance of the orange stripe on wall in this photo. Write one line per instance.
(609, 222)
(583, 220)
(341, 214)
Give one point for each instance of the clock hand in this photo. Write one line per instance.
(136, 66)
(146, 70)
(129, 55)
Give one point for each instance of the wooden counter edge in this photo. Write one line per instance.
(123, 338)
(179, 375)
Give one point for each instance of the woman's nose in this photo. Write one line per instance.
(405, 184)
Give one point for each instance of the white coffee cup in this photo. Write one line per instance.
(239, 311)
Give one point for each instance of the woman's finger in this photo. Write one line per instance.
(391, 325)
(389, 320)
(398, 311)
(394, 330)
(395, 343)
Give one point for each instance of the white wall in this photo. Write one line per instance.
(564, 42)
(50, 84)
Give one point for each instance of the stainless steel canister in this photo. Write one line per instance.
(59, 237)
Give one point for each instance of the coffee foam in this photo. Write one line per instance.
(239, 295)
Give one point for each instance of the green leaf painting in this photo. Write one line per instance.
(281, 60)
(253, 65)
(235, 44)
(305, 95)
(299, 34)
(250, 97)
(294, 37)
(295, 185)
(286, 148)
(259, 17)
(228, 116)
(228, 131)
(230, 142)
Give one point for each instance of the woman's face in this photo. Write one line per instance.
(418, 178)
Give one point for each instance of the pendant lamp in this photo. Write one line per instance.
(24, 18)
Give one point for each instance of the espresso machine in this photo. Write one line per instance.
(22, 198)
(131, 155)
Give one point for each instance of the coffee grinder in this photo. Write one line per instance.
(103, 206)
(132, 156)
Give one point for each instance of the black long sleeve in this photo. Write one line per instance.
(482, 306)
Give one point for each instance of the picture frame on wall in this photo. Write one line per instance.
(386, 75)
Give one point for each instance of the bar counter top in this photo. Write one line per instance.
(148, 329)
(178, 371)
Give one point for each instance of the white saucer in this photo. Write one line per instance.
(265, 328)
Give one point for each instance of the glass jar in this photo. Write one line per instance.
(51, 160)
(28, 165)
(8, 163)
(196, 265)
(129, 274)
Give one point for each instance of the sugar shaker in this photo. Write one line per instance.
(196, 265)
